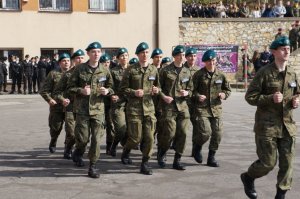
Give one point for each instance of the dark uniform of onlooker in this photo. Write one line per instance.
(118, 102)
(42, 68)
(265, 57)
(63, 97)
(1, 75)
(57, 115)
(27, 75)
(275, 92)
(4, 72)
(176, 86)
(34, 74)
(139, 83)
(210, 88)
(293, 37)
(105, 60)
(16, 74)
(89, 83)
(279, 33)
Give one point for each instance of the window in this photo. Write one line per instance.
(10, 4)
(55, 5)
(49, 52)
(104, 5)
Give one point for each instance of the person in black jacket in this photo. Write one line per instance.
(27, 75)
(1, 76)
(42, 68)
(34, 74)
(16, 74)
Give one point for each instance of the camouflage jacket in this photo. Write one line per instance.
(82, 76)
(47, 91)
(136, 78)
(270, 117)
(117, 73)
(61, 93)
(171, 85)
(210, 86)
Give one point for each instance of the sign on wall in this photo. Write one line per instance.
(227, 56)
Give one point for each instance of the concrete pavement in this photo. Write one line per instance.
(29, 171)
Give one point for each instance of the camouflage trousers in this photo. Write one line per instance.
(141, 130)
(175, 128)
(110, 135)
(118, 118)
(69, 127)
(56, 122)
(268, 149)
(205, 128)
(87, 126)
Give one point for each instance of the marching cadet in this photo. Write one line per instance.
(64, 98)
(133, 61)
(165, 61)
(89, 82)
(105, 60)
(118, 101)
(210, 88)
(275, 92)
(176, 86)
(140, 82)
(57, 115)
(191, 58)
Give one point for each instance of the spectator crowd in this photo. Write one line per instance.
(242, 10)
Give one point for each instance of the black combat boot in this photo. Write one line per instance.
(113, 149)
(280, 193)
(161, 158)
(108, 147)
(52, 145)
(125, 157)
(176, 163)
(248, 186)
(197, 153)
(211, 161)
(77, 158)
(67, 152)
(93, 173)
(145, 169)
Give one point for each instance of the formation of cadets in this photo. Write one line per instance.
(136, 102)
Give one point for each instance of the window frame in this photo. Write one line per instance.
(55, 50)
(104, 11)
(56, 10)
(12, 9)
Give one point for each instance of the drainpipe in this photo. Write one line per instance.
(156, 25)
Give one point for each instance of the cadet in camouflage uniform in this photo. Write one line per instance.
(176, 85)
(89, 82)
(165, 61)
(140, 82)
(275, 92)
(156, 57)
(118, 102)
(133, 61)
(63, 97)
(210, 88)
(191, 58)
(105, 60)
(57, 115)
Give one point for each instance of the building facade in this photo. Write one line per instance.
(46, 27)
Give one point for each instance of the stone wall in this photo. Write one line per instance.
(256, 33)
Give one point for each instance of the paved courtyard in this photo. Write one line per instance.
(29, 171)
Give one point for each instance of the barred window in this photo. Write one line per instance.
(55, 5)
(10, 4)
(104, 5)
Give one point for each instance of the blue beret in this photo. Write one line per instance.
(281, 41)
(156, 51)
(190, 51)
(178, 49)
(165, 60)
(133, 61)
(104, 58)
(94, 45)
(78, 53)
(141, 47)
(209, 55)
(63, 56)
(121, 51)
